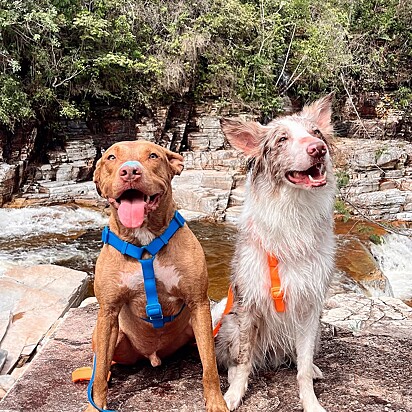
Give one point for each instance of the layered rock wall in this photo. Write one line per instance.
(373, 159)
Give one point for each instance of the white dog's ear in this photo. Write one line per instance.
(96, 176)
(320, 111)
(175, 161)
(244, 136)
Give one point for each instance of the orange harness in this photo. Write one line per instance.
(275, 291)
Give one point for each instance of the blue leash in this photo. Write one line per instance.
(153, 307)
(90, 391)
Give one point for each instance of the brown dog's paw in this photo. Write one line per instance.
(217, 404)
(90, 408)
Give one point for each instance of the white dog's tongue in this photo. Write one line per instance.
(131, 211)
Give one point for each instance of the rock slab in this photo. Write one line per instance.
(35, 297)
(364, 372)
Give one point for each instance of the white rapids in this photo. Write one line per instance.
(46, 235)
(394, 257)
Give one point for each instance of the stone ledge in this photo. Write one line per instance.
(367, 372)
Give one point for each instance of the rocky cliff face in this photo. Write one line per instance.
(373, 159)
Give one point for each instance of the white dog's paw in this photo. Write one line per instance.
(233, 399)
(317, 408)
(317, 373)
(314, 407)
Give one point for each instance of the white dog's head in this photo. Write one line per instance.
(291, 150)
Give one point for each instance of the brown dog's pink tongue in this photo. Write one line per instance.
(131, 212)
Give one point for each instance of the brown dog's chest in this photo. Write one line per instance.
(123, 278)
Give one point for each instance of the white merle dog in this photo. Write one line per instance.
(288, 213)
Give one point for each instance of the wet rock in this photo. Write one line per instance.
(7, 181)
(353, 258)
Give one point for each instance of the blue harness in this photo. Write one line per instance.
(153, 308)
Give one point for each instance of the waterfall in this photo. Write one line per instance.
(394, 256)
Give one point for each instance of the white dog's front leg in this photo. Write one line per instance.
(305, 348)
(238, 374)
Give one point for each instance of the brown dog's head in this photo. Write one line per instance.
(135, 176)
(291, 150)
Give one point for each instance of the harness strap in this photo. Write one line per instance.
(275, 291)
(229, 304)
(276, 287)
(153, 307)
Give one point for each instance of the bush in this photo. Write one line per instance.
(61, 57)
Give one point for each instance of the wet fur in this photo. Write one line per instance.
(294, 224)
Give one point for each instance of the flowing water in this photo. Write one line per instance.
(70, 236)
(394, 256)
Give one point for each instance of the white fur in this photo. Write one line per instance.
(168, 275)
(294, 224)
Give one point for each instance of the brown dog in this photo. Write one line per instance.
(136, 177)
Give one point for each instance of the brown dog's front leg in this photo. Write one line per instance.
(104, 344)
(202, 328)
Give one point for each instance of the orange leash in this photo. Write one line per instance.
(275, 291)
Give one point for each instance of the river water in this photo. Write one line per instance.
(70, 236)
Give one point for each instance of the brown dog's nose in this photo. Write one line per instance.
(316, 149)
(130, 171)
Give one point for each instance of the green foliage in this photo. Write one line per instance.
(342, 178)
(14, 103)
(342, 209)
(376, 239)
(62, 57)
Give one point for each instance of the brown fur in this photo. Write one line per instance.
(119, 334)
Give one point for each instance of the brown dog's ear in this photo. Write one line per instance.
(96, 176)
(320, 111)
(244, 136)
(175, 161)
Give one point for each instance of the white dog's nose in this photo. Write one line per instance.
(316, 149)
(130, 171)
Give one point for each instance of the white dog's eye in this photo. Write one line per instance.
(111, 157)
(282, 139)
(153, 156)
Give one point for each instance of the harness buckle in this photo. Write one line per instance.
(105, 235)
(163, 239)
(276, 292)
(277, 296)
(154, 311)
(179, 219)
(124, 248)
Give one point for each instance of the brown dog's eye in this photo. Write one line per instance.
(153, 156)
(111, 157)
(317, 133)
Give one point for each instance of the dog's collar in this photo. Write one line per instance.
(153, 308)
